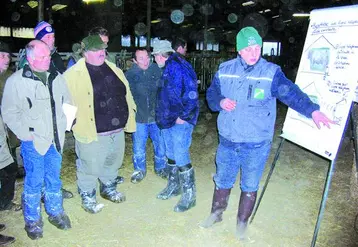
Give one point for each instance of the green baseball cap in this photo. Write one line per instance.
(93, 43)
(247, 36)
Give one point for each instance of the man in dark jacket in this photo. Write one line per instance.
(244, 91)
(143, 78)
(8, 167)
(177, 112)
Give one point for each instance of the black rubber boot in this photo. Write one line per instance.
(89, 202)
(138, 176)
(34, 230)
(173, 185)
(119, 179)
(219, 205)
(108, 191)
(61, 221)
(246, 205)
(187, 183)
(66, 194)
(5, 240)
(163, 173)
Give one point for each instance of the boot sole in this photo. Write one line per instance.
(159, 196)
(179, 209)
(37, 236)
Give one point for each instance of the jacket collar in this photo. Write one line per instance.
(27, 72)
(245, 65)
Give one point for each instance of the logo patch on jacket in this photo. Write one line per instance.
(259, 93)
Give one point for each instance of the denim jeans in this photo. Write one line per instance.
(140, 138)
(41, 169)
(249, 157)
(177, 143)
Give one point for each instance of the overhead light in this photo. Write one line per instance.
(187, 25)
(248, 3)
(286, 21)
(32, 4)
(301, 15)
(267, 10)
(156, 21)
(57, 7)
(275, 16)
(211, 29)
(93, 1)
(261, 11)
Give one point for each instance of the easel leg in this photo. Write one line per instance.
(323, 202)
(267, 179)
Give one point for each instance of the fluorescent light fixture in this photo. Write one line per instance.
(211, 29)
(187, 25)
(275, 16)
(286, 21)
(32, 4)
(93, 1)
(261, 12)
(301, 15)
(267, 10)
(57, 7)
(156, 21)
(248, 3)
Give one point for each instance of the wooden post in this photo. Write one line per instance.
(149, 18)
(40, 13)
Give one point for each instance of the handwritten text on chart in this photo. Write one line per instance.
(331, 27)
(343, 55)
(338, 87)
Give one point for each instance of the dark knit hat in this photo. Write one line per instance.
(41, 29)
(4, 47)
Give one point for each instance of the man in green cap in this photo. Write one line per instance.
(244, 91)
(105, 110)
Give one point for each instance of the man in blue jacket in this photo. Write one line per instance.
(244, 91)
(143, 78)
(177, 112)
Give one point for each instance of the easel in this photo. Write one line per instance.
(326, 187)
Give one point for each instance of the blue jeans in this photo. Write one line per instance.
(140, 138)
(177, 143)
(41, 169)
(249, 157)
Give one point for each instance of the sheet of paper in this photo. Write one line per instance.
(70, 112)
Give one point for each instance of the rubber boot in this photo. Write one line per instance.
(246, 205)
(34, 230)
(66, 194)
(31, 207)
(187, 183)
(6, 240)
(219, 205)
(108, 191)
(61, 221)
(119, 179)
(173, 185)
(89, 202)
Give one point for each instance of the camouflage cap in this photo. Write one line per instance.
(162, 46)
(93, 43)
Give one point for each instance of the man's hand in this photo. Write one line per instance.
(319, 117)
(180, 121)
(228, 104)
